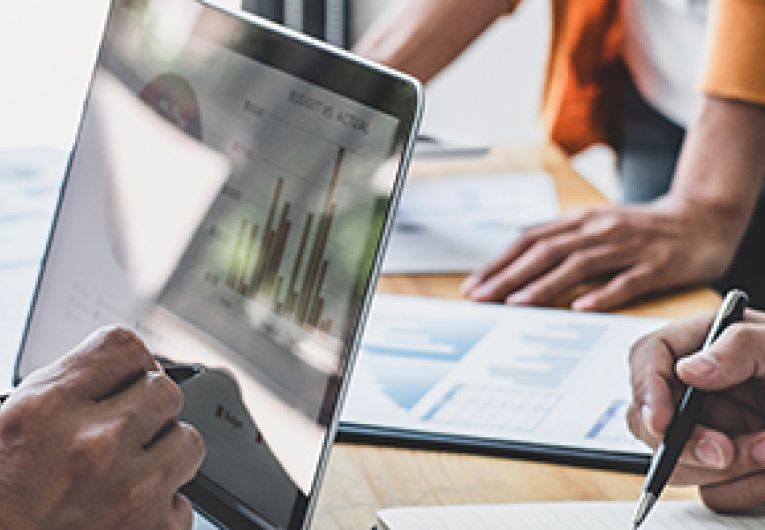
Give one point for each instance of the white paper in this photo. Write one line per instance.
(457, 224)
(201, 523)
(521, 374)
(29, 184)
(667, 515)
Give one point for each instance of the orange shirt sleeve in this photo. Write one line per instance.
(736, 60)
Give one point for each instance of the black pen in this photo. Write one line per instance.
(179, 373)
(686, 415)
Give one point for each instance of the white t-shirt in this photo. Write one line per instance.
(664, 51)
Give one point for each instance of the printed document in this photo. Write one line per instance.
(501, 373)
(458, 224)
(668, 515)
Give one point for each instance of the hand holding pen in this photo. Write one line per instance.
(93, 440)
(725, 453)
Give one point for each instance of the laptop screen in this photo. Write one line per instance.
(226, 198)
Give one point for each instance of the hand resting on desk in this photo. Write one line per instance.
(725, 456)
(640, 249)
(92, 442)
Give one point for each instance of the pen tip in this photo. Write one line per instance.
(647, 500)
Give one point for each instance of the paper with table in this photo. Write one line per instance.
(457, 224)
(29, 184)
(496, 376)
(668, 515)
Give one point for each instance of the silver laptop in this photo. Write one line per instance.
(228, 197)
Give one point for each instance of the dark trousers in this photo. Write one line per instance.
(649, 149)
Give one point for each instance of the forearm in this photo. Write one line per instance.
(722, 166)
(426, 35)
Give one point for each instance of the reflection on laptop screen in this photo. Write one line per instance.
(230, 212)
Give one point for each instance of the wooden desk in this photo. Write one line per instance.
(363, 479)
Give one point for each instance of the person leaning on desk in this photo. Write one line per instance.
(685, 234)
(92, 443)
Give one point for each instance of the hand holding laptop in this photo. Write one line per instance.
(92, 441)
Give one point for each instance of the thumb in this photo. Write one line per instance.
(737, 356)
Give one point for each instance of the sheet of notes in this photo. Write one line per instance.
(522, 374)
(668, 515)
(457, 224)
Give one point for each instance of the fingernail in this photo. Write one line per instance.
(470, 283)
(709, 453)
(484, 291)
(758, 452)
(521, 297)
(151, 376)
(699, 365)
(647, 415)
(583, 304)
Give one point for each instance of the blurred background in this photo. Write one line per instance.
(47, 49)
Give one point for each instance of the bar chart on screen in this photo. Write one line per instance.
(273, 264)
(276, 257)
(259, 255)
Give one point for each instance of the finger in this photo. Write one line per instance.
(708, 449)
(651, 377)
(748, 457)
(176, 455)
(183, 513)
(678, 339)
(738, 355)
(145, 408)
(738, 495)
(754, 316)
(574, 270)
(638, 425)
(540, 258)
(706, 454)
(177, 514)
(520, 246)
(652, 409)
(106, 362)
(478, 279)
(623, 288)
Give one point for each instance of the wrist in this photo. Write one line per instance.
(412, 37)
(719, 218)
(712, 230)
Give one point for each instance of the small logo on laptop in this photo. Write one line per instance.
(223, 414)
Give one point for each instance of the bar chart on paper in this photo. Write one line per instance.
(528, 375)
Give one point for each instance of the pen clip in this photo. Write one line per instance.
(731, 310)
